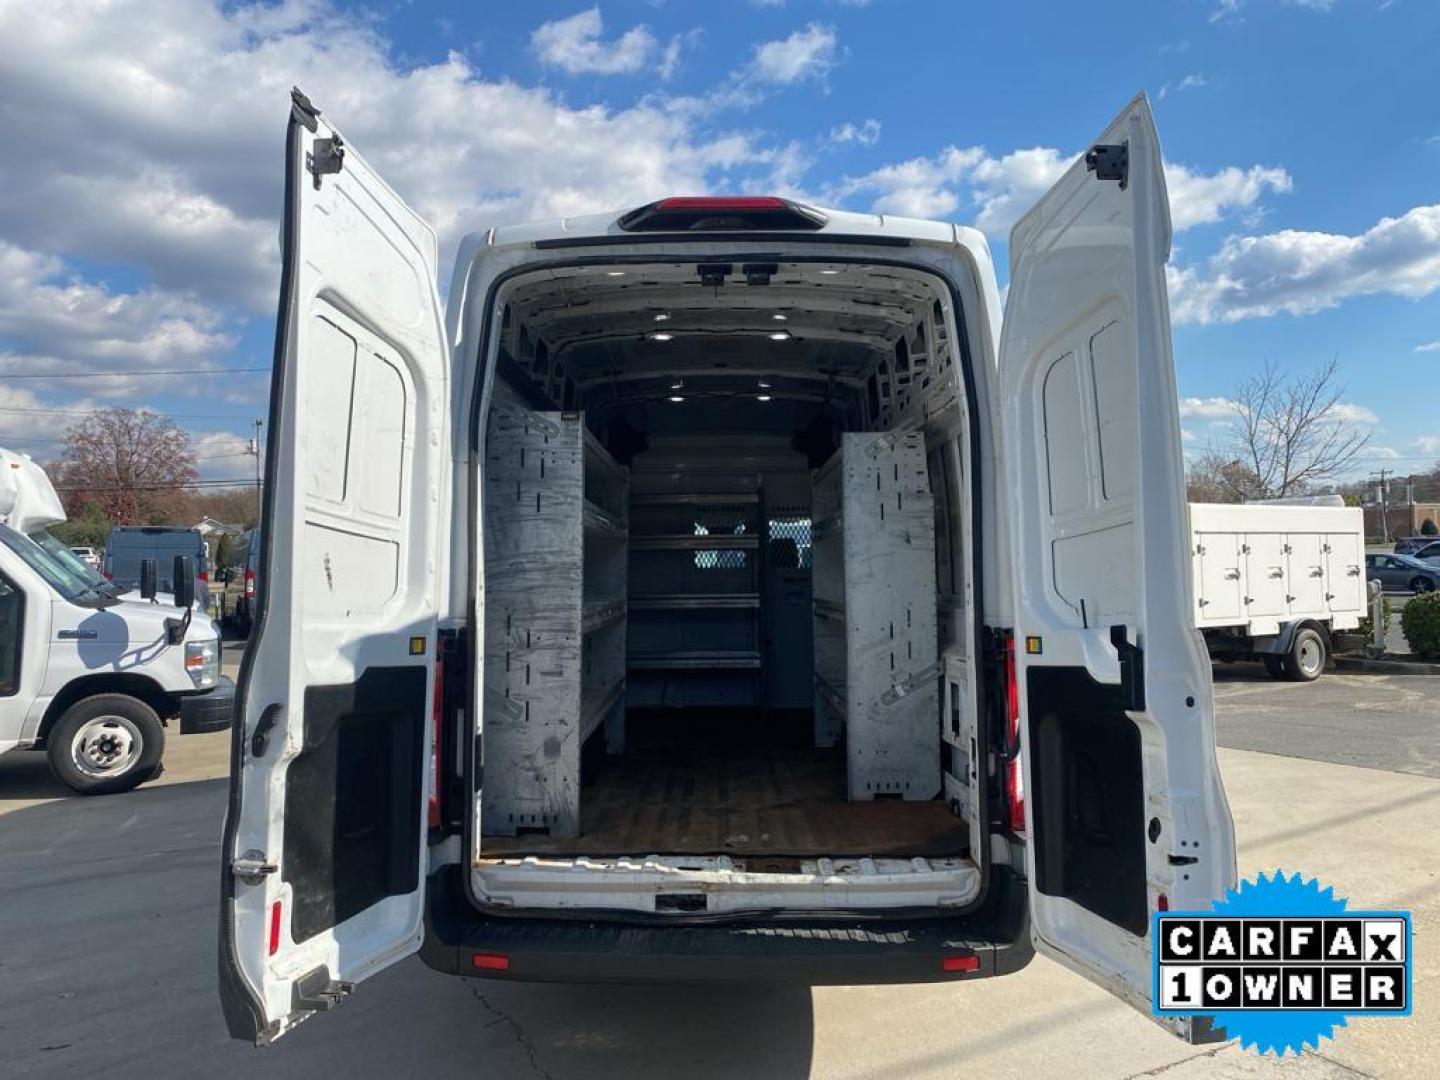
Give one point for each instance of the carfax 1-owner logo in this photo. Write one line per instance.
(1280, 963)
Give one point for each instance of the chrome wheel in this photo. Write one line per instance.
(106, 746)
(1310, 656)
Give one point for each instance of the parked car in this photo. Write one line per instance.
(1402, 573)
(88, 556)
(1429, 552)
(449, 507)
(1408, 545)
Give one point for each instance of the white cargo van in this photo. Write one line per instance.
(88, 677)
(713, 592)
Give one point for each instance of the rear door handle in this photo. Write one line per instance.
(260, 738)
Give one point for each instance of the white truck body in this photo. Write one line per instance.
(1259, 566)
(1052, 448)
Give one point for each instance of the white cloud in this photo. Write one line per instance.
(574, 46)
(806, 54)
(1428, 444)
(997, 190)
(223, 455)
(866, 134)
(1382, 453)
(54, 321)
(1227, 9)
(1197, 199)
(1189, 82)
(1429, 346)
(1301, 272)
(168, 159)
(1213, 408)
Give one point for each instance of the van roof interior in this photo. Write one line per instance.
(694, 347)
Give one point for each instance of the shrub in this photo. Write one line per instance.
(1421, 623)
(1367, 625)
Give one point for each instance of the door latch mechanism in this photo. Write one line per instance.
(328, 156)
(252, 868)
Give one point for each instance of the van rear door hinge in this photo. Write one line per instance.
(1110, 161)
(328, 156)
(252, 868)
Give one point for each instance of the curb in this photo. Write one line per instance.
(1387, 667)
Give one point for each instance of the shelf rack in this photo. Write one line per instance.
(873, 575)
(556, 530)
(694, 605)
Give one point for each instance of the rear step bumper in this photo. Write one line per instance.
(819, 952)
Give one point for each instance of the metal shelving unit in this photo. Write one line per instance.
(873, 575)
(555, 614)
(695, 594)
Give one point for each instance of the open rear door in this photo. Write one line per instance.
(1125, 809)
(323, 877)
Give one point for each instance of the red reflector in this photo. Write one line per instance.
(486, 961)
(249, 584)
(274, 927)
(1162, 902)
(1015, 776)
(970, 962)
(722, 202)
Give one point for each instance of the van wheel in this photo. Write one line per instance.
(1306, 659)
(106, 744)
(1274, 665)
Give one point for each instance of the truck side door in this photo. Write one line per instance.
(323, 852)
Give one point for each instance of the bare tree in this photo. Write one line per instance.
(1218, 477)
(1290, 433)
(132, 465)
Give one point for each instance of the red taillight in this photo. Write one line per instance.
(486, 961)
(966, 962)
(722, 202)
(275, 911)
(1162, 902)
(437, 702)
(205, 576)
(249, 584)
(1014, 774)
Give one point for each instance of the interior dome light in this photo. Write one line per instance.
(675, 397)
(762, 397)
(780, 335)
(660, 337)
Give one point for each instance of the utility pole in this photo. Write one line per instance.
(1384, 474)
(255, 449)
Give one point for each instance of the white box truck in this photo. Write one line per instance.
(88, 677)
(1275, 581)
(443, 649)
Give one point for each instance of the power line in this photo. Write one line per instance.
(95, 412)
(167, 486)
(129, 374)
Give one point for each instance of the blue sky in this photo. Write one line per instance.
(138, 229)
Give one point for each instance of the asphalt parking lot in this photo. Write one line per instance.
(109, 931)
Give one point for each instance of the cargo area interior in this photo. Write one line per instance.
(728, 584)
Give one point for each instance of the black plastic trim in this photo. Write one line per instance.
(824, 950)
(208, 710)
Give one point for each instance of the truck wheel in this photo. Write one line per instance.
(1306, 659)
(105, 744)
(1274, 665)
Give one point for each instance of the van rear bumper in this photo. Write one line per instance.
(815, 952)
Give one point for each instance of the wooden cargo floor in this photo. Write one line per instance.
(733, 783)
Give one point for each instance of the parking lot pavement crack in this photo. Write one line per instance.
(1340, 1065)
(502, 1017)
(1160, 1070)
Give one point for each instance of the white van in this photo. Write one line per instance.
(89, 677)
(463, 736)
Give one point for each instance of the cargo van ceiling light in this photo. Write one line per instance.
(721, 213)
